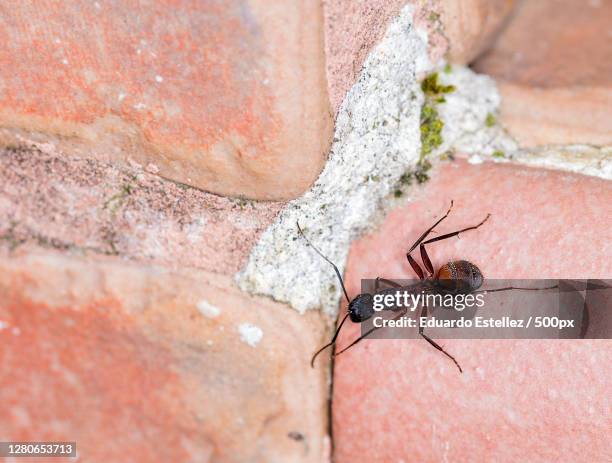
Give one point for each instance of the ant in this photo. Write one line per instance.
(456, 276)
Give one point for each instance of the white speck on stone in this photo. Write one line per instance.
(250, 334)
(139, 106)
(16, 331)
(121, 96)
(159, 79)
(97, 5)
(3, 325)
(65, 61)
(58, 41)
(377, 132)
(475, 159)
(207, 309)
(209, 343)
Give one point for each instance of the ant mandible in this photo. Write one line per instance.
(461, 275)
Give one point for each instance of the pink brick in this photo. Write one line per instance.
(553, 66)
(134, 365)
(93, 207)
(225, 96)
(516, 400)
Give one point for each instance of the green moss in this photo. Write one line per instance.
(498, 154)
(448, 68)
(490, 120)
(431, 86)
(421, 173)
(431, 123)
(431, 129)
(433, 16)
(406, 179)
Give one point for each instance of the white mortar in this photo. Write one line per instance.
(465, 131)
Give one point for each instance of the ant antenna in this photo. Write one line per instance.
(333, 340)
(329, 261)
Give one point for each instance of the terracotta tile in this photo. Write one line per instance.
(553, 67)
(145, 364)
(229, 97)
(517, 400)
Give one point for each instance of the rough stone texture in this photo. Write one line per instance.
(471, 26)
(553, 66)
(516, 400)
(455, 28)
(133, 364)
(226, 96)
(87, 206)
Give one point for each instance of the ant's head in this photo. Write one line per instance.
(361, 308)
(461, 276)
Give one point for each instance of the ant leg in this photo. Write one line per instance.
(426, 260)
(429, 230)
(508, 288)
(367, 333)
(390, 283)
(415, 266)
(432, 342)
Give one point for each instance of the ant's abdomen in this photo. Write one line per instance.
(460, 275)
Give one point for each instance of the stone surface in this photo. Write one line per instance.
(86, 206)
(457, 29)
(535, 400)
(134, 364)
(471, 26)
(230, 97)
(553, 65)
